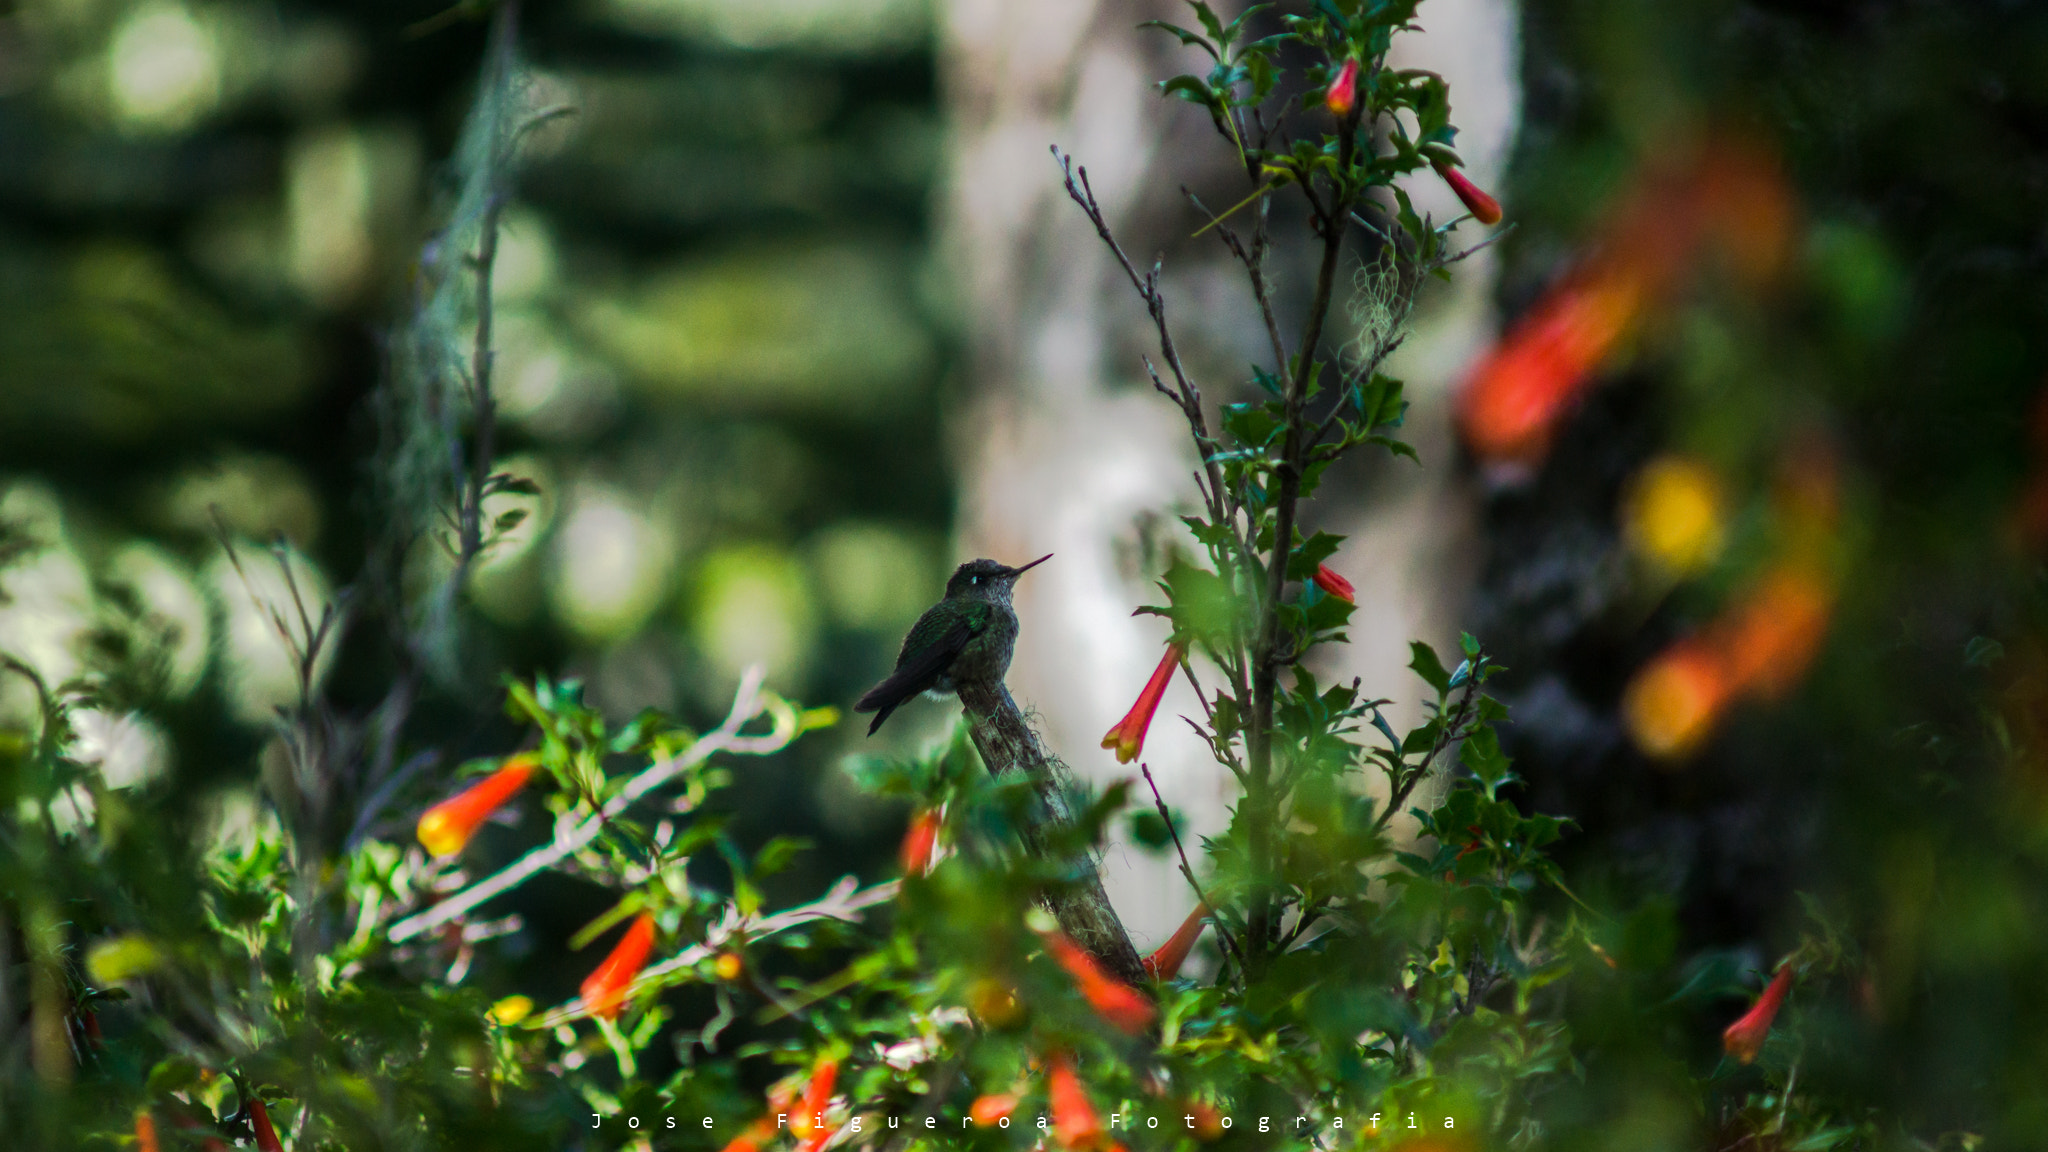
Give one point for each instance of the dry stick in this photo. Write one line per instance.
(1007, 744)
(747, 703)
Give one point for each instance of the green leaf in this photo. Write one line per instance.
(1188, 39)
(1311, 553)
(1252, 424)
(778, 854)
(1982, 652)
(1192, 90)
(1481, 753)
(630, 906)
(1204, 607)
(1427, 666)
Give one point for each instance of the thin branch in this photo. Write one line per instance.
(1147, 285)
(1188, 870)
(748, 703)
(844, 901)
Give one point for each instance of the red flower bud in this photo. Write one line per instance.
(266, 1136)
(1123, 1006)
(447, 826)
(1484, 208)
(1342, 95)
(1165, 963)
(1745, 1038)
(989, 1110)
(1128, 737)
(1328, 580)
(918, 841)
(604, 990)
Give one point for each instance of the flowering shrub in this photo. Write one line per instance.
(1393, 953)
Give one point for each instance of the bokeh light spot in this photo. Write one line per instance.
(754, 607)
(612, 563)
(872, 576)
(1673, 514)
(164, 69)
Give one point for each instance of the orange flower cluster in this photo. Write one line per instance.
(1122, 1006)
(1760, 646)
(145, 1133)
(1128, 737)
(447, 826)
(1165, 963)
(1724, 193)
(604, 990)
(1745, 1038)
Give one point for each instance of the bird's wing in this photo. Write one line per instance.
(916, 671)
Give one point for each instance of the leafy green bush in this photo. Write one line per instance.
(304, 979)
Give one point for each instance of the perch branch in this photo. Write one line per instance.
(1008, 745)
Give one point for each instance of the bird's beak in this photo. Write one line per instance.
(1016, 572)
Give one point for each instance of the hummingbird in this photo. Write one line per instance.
(967, 636)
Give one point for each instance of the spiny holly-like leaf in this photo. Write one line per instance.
(1426, 665)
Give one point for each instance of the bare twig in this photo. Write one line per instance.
(844, 901)
(748, 703)
(1188, 870)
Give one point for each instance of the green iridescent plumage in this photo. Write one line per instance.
(967, 636)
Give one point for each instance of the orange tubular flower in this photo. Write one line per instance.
(1342, 95)
(145, 1133)
(1677, 698)
(1128, 737)
(1165, 963)
(1328, 580)
(1745, 1038)
(604, 990)
(989, 1110)
(1483, 208)
(809, 1122)
(1073, 1117)
(1124, 1007)
(1774, 633)
(266, 1136)
(918, 841)
(1524, 385)
(447, 826)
